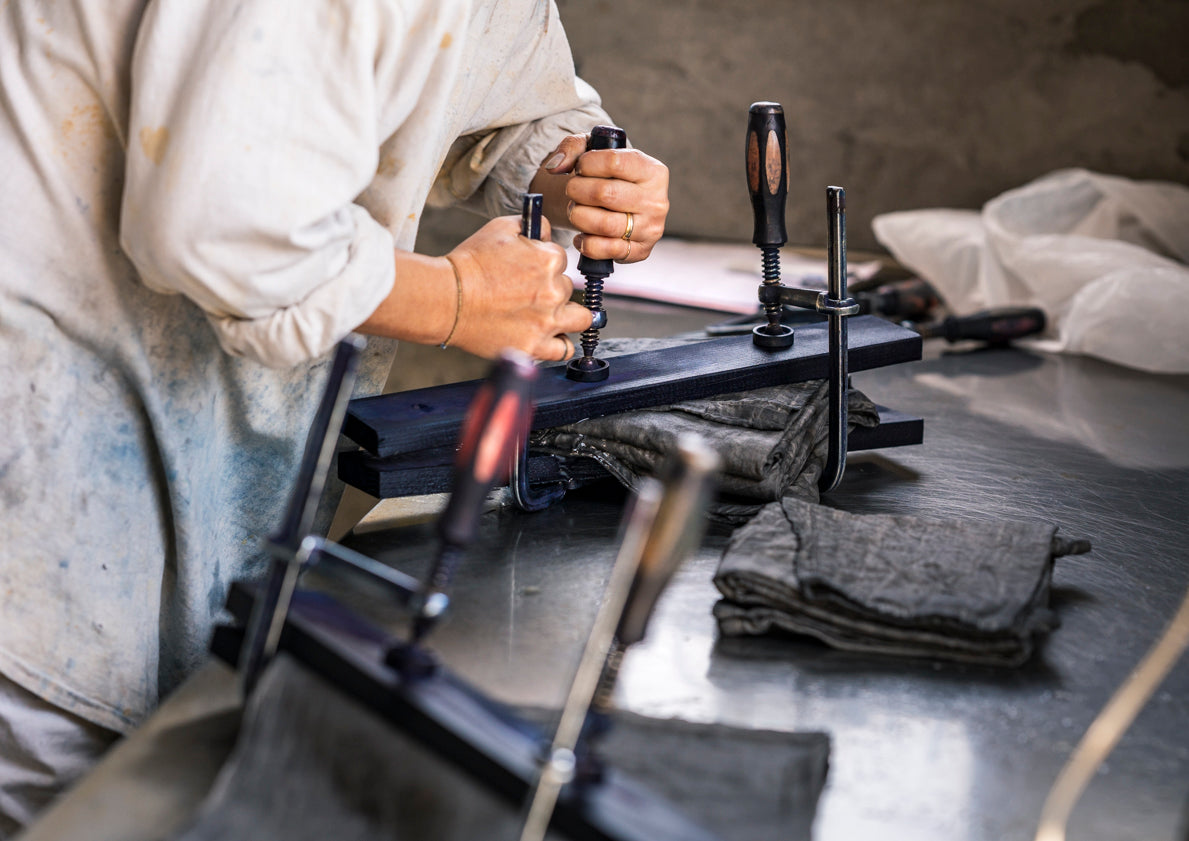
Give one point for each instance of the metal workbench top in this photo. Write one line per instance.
(921, 750)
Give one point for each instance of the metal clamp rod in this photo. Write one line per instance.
(290, 546)
(560, 764)
(332, 558)
(663, 526)
(524, 497)
(837, 306)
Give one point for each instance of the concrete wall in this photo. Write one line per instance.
(906, 103)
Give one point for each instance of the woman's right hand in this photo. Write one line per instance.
(496, 290)
(514, 293)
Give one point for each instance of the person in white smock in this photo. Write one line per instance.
(199, 201)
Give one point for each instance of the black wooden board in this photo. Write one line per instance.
(429, 471)
(453, 719)
(422, 419)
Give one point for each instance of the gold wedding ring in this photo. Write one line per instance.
(624, 258)
(627, 233)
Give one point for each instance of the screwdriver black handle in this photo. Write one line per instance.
(997, 326)
(767, 174)
(602, 137)
(497, 416)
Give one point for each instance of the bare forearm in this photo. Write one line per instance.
(422, 304)
(508, 292)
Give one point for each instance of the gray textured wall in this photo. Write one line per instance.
(906, 103)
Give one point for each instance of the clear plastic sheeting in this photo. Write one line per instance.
(1104, 257)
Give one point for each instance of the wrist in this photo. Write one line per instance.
(423, 302)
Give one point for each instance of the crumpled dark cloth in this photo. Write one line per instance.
(772, 440)
(955, 589)
(311, 763)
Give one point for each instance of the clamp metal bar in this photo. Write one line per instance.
(340, 562)
(523, 495)
(291, 546)
(837, 307)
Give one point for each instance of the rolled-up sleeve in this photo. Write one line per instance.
(489, 172)
(252, 132)
(537, 101)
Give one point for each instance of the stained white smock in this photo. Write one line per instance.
(199, 201)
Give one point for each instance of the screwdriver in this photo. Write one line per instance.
(995, 326)
(586, 368)
(498, 415)
(904, 300)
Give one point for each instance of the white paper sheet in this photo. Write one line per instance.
(713, 275)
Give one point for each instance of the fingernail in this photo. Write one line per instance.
(578, 240)
(555, 160)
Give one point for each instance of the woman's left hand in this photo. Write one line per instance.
(618, 199)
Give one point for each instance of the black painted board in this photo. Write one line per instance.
(422, 419)
(896, 429)
(453, 719)
(429, 471)
(414, 474)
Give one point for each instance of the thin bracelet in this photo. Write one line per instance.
(458, 308)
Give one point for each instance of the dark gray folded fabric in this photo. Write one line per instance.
(312, 764)
(966, 590)
(772, 440)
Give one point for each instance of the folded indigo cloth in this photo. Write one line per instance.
(772, 440)
(966, 590)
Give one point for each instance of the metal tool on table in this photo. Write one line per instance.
(587, 368)
(664, 524)
(767, 183)
(994, 326)
(398, 678)
(911, 299)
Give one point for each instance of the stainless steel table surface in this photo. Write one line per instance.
(921, 750)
